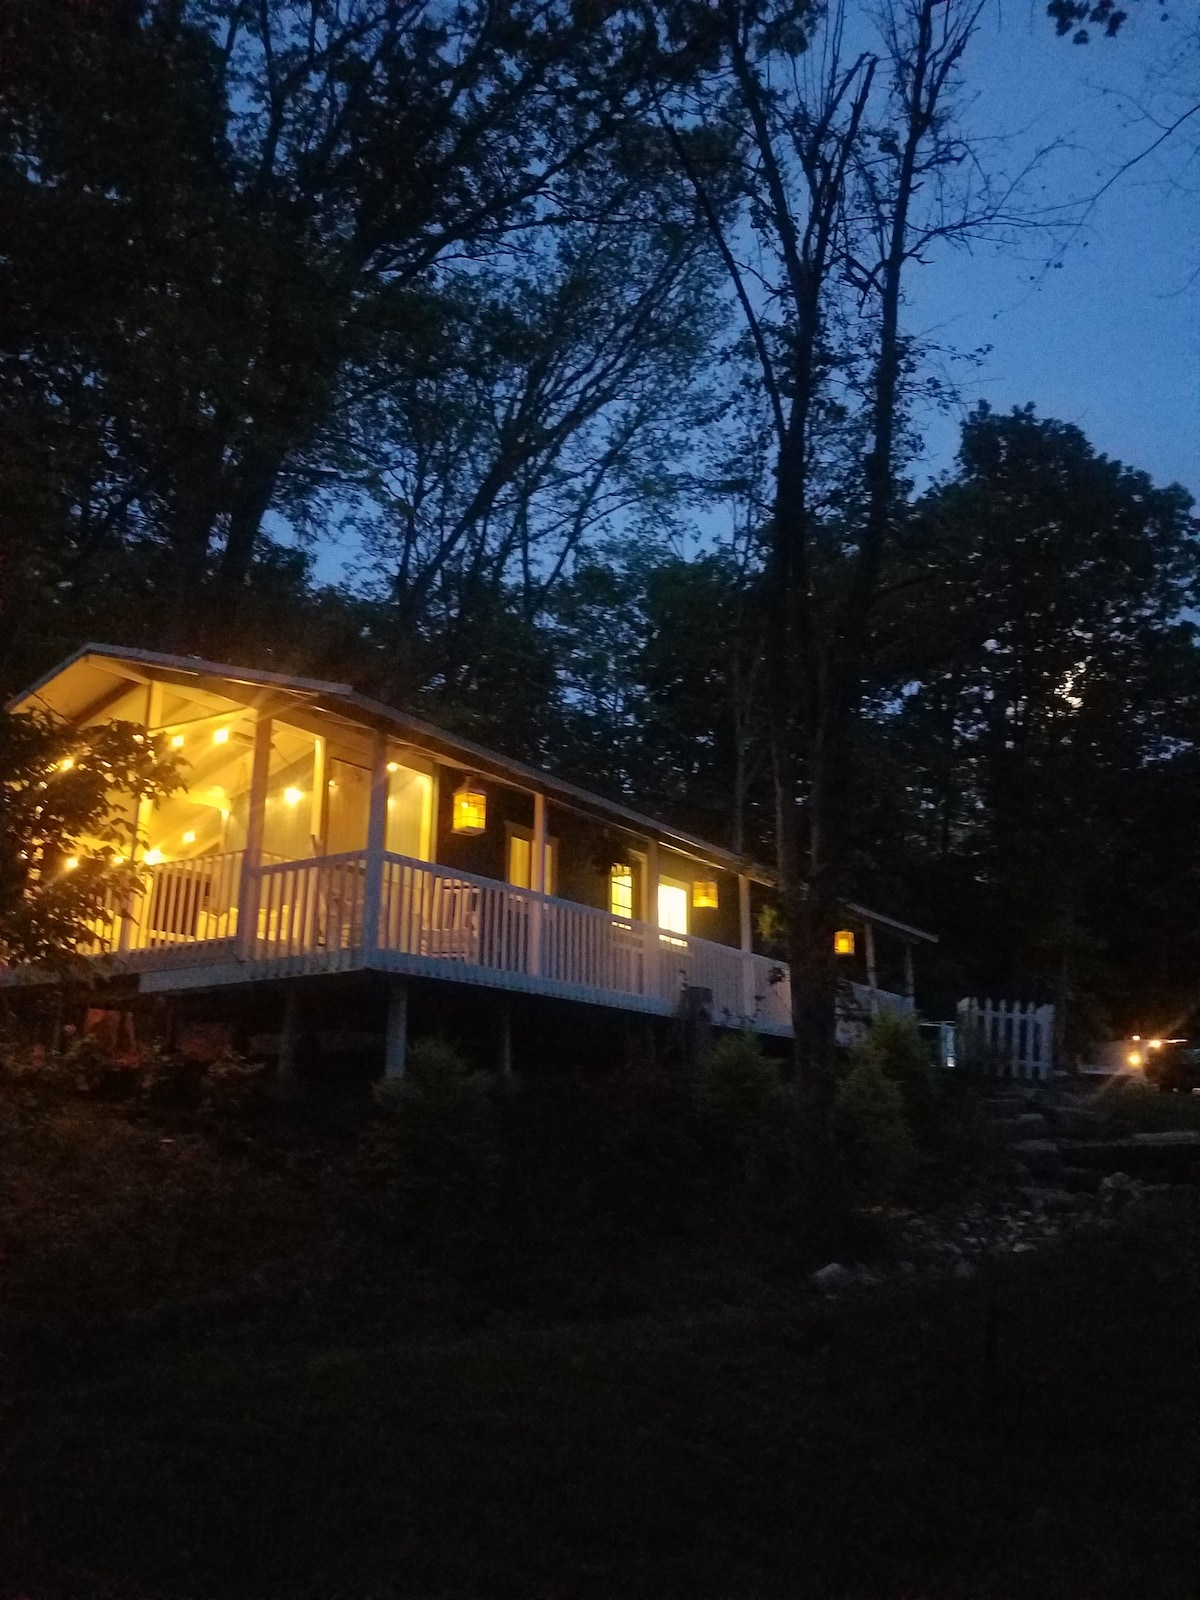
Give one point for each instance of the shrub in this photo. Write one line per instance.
(872, 1132)
(742, 1104)
(894, 1044)
(435, 1144)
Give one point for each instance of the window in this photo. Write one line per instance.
(409, 812)
(520, 859)
(673, 907)
(620, 891)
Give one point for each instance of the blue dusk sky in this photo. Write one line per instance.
(1099, 324)
(1109, 339)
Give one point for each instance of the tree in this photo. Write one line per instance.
(661, 665)
(211, 211)
(70, 800)
(849, 166)
(1039, 693)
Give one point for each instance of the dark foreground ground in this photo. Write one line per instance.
(859, 1448)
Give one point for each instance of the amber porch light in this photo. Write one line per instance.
(843, 942)
(704, 895)
(470, 808)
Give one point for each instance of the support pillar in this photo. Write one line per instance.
(650, 887)
(537, 882)
(396, 1038)
(746, 940)
(872, 969)
(376, 839)
(910, 977)
(248, 887)
(131, 910)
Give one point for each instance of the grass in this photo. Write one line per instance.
(844, 1451)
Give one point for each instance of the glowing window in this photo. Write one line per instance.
(409, 812)
(520, 860)
(673, 907)
(520, 856)
(620, 891)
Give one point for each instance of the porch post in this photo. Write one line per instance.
(650, 887)
(652, 979)
(872, 971)
(910, 977)
(396, 1039)
(320, 797)
(141, 814)
(376, 838)
(537, 882)
(746, 931)
(249, 883)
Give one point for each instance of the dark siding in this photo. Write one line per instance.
(482, 853)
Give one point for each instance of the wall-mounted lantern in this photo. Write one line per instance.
(470, 808)
(704, 894)
(843, 942)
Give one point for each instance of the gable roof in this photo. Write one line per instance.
(344, 700)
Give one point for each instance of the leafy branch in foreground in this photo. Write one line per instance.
(69, 804)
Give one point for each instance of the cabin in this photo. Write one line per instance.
(324, 838)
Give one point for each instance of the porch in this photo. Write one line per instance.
(217, 920)
(317, 831)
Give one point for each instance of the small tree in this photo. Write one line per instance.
(69, 799)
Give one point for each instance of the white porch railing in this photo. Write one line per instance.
(191, 902)
(321, 913)
(439, 914)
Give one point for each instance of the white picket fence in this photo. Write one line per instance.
(1007, 1039)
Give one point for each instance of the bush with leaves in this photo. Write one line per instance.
(435, 1146)
(894, 1044)
(872, 1133)
(743, 1106)
(66, 799)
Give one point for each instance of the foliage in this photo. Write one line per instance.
(1036, 721)
(69, 799)
(301, 229)
(435, 1146)
(894, 1044)
(214, 1351)
(744, 1107)
(872, 1133)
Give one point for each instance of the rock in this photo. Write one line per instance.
(1030, 1124)
(1041, 1157)
(1081, 1180)
(1023, 1248)
(832, 1277)
(1005, 1127)
(1081, 1122)
(1051, 1200)
(907, 1269)
(1117, 1190)
(964, 1269)
(1007, 1105)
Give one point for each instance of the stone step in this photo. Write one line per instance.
(1041, 1158)
(1081, 1122)
(1162, 1158)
